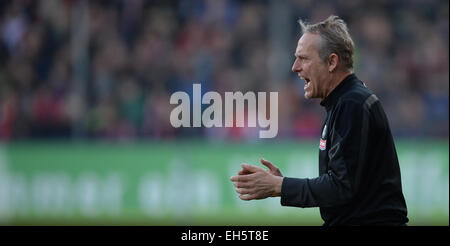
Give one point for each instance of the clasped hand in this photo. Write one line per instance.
(253, 182)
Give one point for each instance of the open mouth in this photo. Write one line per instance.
(307, 81)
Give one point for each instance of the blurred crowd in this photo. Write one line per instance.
(106, 69)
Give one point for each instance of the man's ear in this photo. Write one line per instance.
(333, 61)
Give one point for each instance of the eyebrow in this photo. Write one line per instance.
(301, 56)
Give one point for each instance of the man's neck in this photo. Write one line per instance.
(336, 80)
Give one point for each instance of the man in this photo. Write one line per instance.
(359, 176)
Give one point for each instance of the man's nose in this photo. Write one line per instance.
(296, 66)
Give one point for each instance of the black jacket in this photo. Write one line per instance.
(359, 179)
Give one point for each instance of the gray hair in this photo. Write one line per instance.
(335, 39)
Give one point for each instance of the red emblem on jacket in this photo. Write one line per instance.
(323, 144)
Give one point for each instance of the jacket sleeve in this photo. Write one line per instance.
(336, 186)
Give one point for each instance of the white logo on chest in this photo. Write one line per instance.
(323, 143)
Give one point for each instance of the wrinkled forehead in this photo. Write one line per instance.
(307, 43)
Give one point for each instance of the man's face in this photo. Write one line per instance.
(310, 67)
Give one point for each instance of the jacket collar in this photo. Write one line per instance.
(334, 95)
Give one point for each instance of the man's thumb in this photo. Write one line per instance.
(267, 164)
